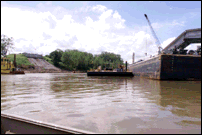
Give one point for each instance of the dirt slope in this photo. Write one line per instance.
(42, 65)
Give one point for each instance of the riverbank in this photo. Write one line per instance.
(29, 65)
(49, 71)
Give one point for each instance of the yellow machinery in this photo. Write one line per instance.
(6, 66)
(9, 67)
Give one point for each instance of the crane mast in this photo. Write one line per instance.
(154, 34)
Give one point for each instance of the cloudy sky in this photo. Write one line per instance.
(96, 26)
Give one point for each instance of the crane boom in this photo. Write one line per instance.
(154, 34)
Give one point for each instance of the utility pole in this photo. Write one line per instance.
(133, 58)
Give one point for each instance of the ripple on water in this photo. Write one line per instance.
(104, 104)
(75, 115)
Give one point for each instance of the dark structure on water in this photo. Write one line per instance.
(110, 74)
(169, 67)
(108, 71)
(174, 63)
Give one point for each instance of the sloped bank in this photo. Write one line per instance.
(31, 65)
(36, 65)
(41, 70)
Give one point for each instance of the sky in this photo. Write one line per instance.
(119, 27)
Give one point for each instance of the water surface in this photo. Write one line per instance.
(104, 104)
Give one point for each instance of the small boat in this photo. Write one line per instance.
(13, 124)
(8, 67)
(120, 71)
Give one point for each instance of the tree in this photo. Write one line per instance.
(108, 59)
(77, 60)
(67, 61)
(56, 57)
(6, 44)
(83, 61)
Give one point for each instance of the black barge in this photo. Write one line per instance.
(169, 67)
(174, 63)
(110, 74)
(120, 71)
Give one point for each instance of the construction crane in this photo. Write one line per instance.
(154, 34)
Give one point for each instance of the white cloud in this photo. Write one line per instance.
(99, 8)
(167, 42)
(193, 46)
(105, 15)
(193, 14)
(43, 31)
(175, 23)
(116, 15)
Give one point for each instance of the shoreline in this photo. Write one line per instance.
(50, 71)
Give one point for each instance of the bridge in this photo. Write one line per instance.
(184, 40)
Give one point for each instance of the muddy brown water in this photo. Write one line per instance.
(104, 104)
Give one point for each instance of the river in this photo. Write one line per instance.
(104, 104)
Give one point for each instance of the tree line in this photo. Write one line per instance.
(83, 61)
(71, 59)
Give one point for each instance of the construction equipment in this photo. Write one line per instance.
(9, 67)
(154, 34)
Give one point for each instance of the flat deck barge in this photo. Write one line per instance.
(110, 74)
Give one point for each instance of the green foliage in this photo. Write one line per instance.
(6, 44)
(107, 59)
(48, 59)
(20, 59)
(56, 57)
(77, 60)
(47, 56)
(68, 60)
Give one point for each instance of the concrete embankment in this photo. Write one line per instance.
(43, 66)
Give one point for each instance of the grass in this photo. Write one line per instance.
(20, 59)
(48, 59)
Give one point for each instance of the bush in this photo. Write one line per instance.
(48, 59)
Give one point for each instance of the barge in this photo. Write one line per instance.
(169, 67)
(120, 71)
(173, 63)
(104, 73)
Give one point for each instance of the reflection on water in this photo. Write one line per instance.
(105, 104)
